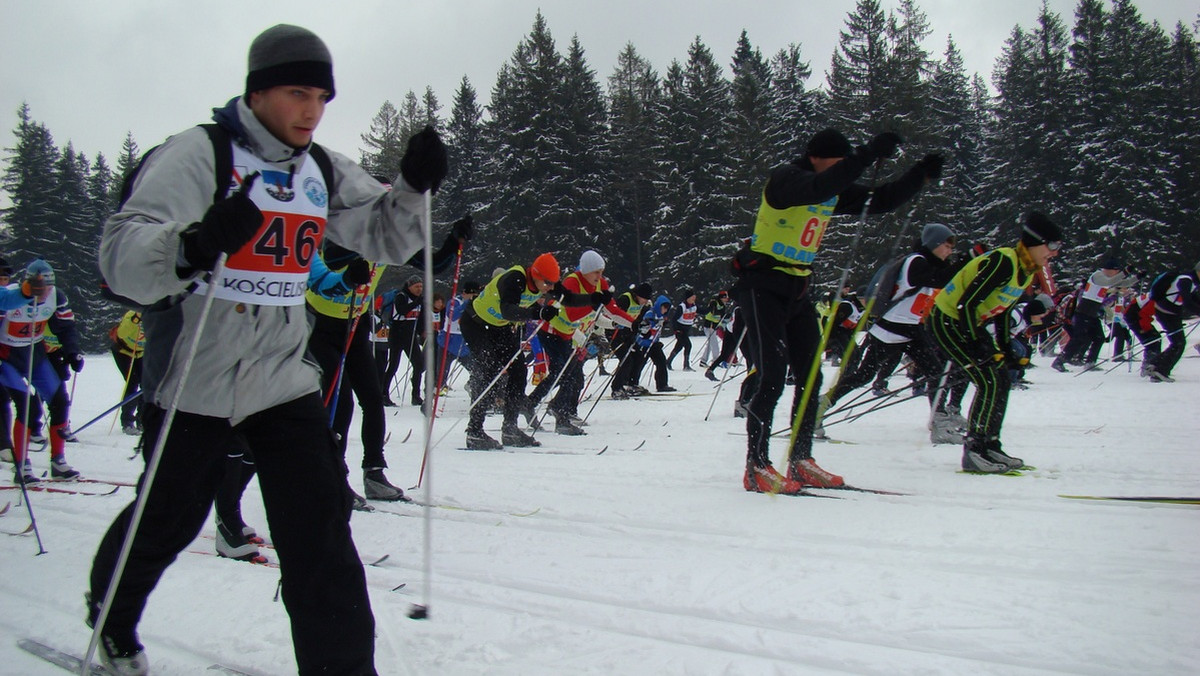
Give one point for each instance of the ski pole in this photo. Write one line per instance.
(571, 357)
(815, 368)
(725, 377)
(93, 421)
(421, 611)
(147, 482)
(612, 376)
(335, 387)
(441, 376)
(865, 316)
(442, 372)
(20, 462)
(128, 376)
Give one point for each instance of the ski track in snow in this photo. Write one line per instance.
(655, 561)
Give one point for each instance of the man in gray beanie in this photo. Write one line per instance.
(918, 278)
(183, 237)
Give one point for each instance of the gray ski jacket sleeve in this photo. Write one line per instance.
(250, 357)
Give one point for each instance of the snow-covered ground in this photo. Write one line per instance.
(651, 559)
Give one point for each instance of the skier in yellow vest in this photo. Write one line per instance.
(976, 299)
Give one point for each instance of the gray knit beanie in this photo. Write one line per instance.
(590, 261)
(934, 235)
(289, 55)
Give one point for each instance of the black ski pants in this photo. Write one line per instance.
(307, 502)
(560, 353)
(990, 377)
(1122, 340)
(495, 354)
(878, 355)
(358, 376)
(623, 350)
(1084, 331)
(782, 330)
(1176, 342)
(638, 356)
(403, 339)
(683, 343)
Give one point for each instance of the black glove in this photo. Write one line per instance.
(557, 292)
(882, 146)
(463, 229)
(931, 166)
(425, 162)
(547, 312)
(76, 362)
(34, 286)
(358, 272)
(984, 352)
(225, 228)
(601, 298)
(1015, 363)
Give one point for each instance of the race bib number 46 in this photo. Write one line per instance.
(272, 269)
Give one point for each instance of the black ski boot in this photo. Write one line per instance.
(478, 440)
(512, 435)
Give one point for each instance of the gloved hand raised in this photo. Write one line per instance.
(225, 228)
(547, 312)
(425, 162)
(358, 272)
(931, 166)
(75, 361)
(882, 146)
(601, 298)
(463, 229)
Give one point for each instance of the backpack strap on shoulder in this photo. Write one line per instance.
(222, 159)
(324, 162)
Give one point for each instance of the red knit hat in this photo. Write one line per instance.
(545, 268)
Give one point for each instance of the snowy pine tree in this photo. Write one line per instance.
(29, 180)
(385, 142)
(634, 98)
(697, 234)
(464, 191)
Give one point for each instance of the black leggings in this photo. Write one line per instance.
(782, 330)
(358, 376)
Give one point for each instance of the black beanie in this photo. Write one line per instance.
(1039, 229)
(289, 55)
(643, 290)
(6, 268)
(828, 143)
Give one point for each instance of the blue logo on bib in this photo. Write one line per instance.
(315, 191)
(276, 185)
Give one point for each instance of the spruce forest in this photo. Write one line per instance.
(1092, 119)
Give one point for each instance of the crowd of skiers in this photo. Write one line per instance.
(285, 255)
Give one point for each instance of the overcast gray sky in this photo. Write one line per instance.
(92, 70)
